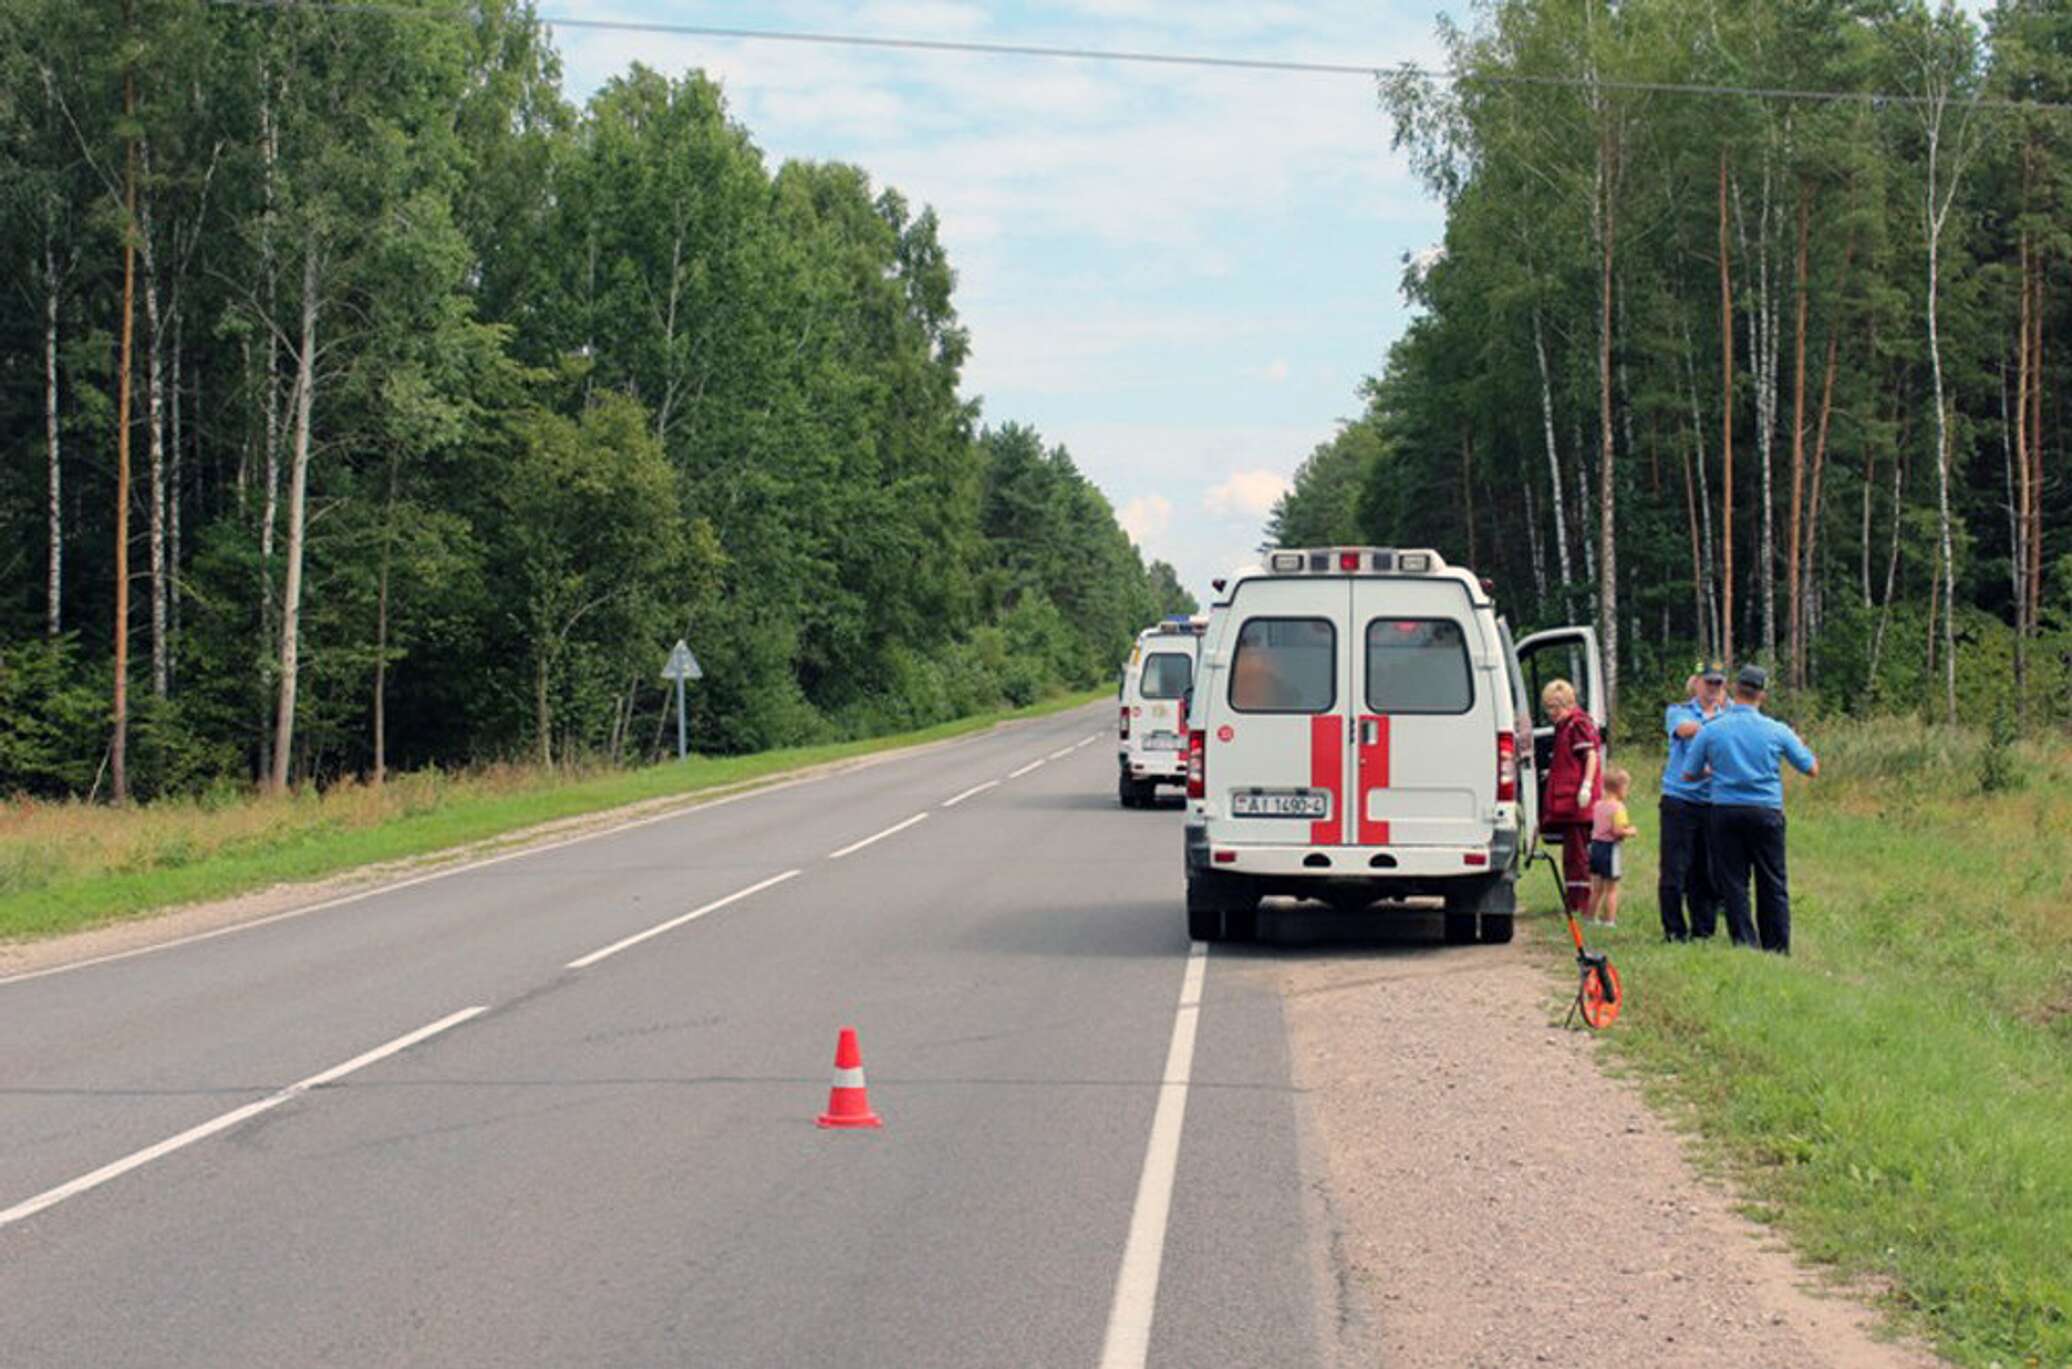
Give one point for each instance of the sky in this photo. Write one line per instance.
(1180, 274)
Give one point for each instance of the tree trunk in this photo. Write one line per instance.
(381, 624)
(1709, 634)
(2018, 492)
(2034, 539)
(1539, 347)
(174, 472)
(118, 753)
(298, 504)
(1584, 533)
(1467, 487)
(269, 518)
(1809, 579)
(1899, 466)
(1945, 537)
(1698, 623)
(54, 587)
(154, 430)
(1794, 609)
(1535, 547)
(542, 718)
(1726, 343)
(1607, 502)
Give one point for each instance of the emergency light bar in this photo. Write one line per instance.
(1354, 560)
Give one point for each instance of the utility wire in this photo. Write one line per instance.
(1174, 59)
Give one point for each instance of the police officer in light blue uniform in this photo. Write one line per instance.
(1685, 871)
(1742, 749)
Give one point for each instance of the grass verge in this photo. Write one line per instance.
(73, 865)
(1896, 1098)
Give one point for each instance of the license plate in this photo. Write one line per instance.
(1280, 803)
(1161, 741)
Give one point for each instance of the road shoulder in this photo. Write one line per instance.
(1505, 1200)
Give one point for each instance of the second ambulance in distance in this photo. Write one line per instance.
(1151, 734)
(1361, 730)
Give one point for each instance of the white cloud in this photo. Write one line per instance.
(1146, 517)
(1252, 493)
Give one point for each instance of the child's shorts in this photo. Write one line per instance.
(1604, 860)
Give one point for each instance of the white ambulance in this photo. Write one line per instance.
(1151, 734)
(1362, 730)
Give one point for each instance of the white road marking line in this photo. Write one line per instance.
(1061, 753)
(585, 962)
(1089, 741)
(856, 846)
(1017, 774)
(29, 1207)
(1136, 1286)
(975, 789)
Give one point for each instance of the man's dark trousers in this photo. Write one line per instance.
(1745, 837)
(1686, 870)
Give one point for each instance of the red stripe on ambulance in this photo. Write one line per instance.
(1327, 772)
(1374, 774)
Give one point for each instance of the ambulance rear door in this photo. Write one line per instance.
(1278, 732)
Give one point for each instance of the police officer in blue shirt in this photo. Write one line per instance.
(1685, 871)
(1741, 749)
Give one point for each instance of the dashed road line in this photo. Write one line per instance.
(856, 846)
(1089, 741)
(1017, 774)
(585, 962)
(1061, 753)
(1128, 1341)
(974, 790)
(29, 1207)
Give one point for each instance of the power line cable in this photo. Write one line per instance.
(1175, 59)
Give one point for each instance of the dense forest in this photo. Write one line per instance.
(365, 403)
(1770, 377)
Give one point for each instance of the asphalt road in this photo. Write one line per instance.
(548, 1157)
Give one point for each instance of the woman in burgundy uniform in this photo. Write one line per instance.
(1574, 784)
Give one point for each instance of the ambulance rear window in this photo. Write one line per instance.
(1167, 675)
(1285, 665)
(1418, 665)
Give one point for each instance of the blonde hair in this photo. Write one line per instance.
(1617, 781)
(1558, 693)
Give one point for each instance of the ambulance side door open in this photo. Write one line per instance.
(1562, 653)
(1524, 747)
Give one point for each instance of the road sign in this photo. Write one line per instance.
(682, 665)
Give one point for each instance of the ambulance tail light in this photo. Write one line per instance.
(1197, 764)
(1506, 768)
(1125, 722)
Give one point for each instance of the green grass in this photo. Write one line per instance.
(68, 866)
(1897, 1096)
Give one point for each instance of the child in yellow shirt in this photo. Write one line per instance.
(1609, 829)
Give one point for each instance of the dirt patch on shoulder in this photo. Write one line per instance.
(1504, 1201)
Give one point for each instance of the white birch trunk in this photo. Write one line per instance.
(54, 607)
(298, 501)
(154, 430)
(1539, 347)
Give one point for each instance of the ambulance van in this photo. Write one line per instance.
(1362, 731)
(1151, 734)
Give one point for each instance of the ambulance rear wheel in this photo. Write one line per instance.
(1208, 899)
(1496, 928)
(1241, 923)
(1460, 929)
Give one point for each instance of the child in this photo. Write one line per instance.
(1609, 826)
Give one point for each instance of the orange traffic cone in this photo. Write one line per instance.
(849, 1102)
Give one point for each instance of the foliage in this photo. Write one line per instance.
(566, 384)
(1485, 432)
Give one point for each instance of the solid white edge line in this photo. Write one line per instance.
(1017, 774)
(975, 789)
(585, 962)
(1128, 1341)
(836, 768)
(855, 846)
(1061, 753)
(29, 1207)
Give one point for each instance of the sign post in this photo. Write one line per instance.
(681, 666)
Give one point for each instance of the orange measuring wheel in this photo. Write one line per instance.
(1598, 995)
